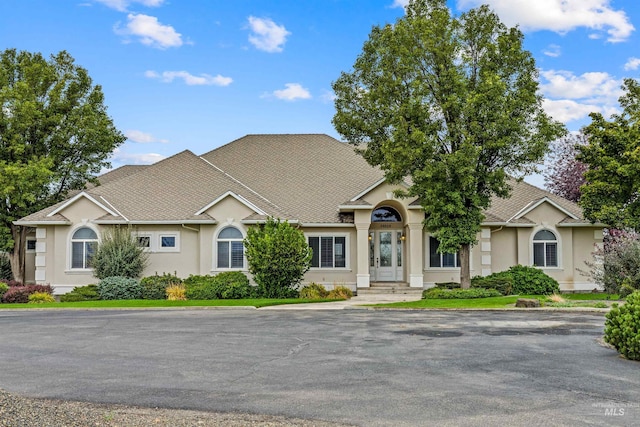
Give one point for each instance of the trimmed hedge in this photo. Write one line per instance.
(227, 285)
(502, 282)
(622, 327)
(442, 293)
(118, 287)
(155, 287)
(81, 293)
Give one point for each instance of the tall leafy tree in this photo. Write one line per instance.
(55, 135)
(278, 256)
(565, 174)
(452, 103)
(612, 192)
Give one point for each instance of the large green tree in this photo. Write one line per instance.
(452, 103)
(55, 135)
(611, 194)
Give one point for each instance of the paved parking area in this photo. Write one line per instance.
(365, 367)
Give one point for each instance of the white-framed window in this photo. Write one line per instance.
(545, 249)
(441, 260)
(145, 241)
(329, 251)
(84, 243)
(168, 242)
(230, 249)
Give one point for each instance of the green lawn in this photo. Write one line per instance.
(260, 302)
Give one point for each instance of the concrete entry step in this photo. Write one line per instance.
(389, 288)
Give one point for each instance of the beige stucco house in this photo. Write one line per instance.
(191, 213)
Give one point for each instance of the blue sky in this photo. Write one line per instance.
(196, 74)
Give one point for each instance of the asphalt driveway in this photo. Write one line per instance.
(370, 368)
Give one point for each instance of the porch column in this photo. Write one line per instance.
(416, 257)
(362, 273)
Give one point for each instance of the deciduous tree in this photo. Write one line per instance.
(55, 135)
(451, 102)
(612, 192)
(565, 174)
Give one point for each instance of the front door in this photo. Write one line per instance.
(386, 252)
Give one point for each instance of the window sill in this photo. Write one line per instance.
(79, 271)
(330, 269)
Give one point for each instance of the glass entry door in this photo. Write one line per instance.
(386, 253)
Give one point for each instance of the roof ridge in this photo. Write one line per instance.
(241, 184)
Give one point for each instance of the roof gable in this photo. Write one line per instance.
(83, 195)
(235, 196)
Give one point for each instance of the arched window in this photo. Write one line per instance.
(230, 248)
(545, 249)
(385, 214)
(83, 245)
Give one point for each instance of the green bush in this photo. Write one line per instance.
(3, 288)
(502, 282)
(622, 327)
(278, 256)
(201, 287)
(532, 281)
(227, 285)
(41, 297)
(340, 292)
(441, 293)
(448, 285)
(119, 288)
(81, 293)
(313, 291)
(119, 255)
(155, 287)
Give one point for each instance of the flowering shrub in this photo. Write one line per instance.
(20, 294)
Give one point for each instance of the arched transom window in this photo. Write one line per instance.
(385, 214)
(83, 245)
(230, 248)
(545, 249)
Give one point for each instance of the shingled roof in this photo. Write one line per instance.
(303, 178)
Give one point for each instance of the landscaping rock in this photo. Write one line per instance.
(527, 303)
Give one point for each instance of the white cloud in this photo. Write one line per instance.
(142, 137)
(292, 92)
(632, 64)
(190, 79)
(122, 5)
(150, 31)
(570, 97)
(400, 3)
(560, 16)
(553, 50)
(119, 158)
(267, 35)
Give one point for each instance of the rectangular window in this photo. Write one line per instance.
(223, 254)
(328, 251)
(237, 255)
(144, 242)
(551, 255)
(77, 255)
(444, 260)
(31, 245)
(538, 254)
(168, 242)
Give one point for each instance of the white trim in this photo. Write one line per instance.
(161, 234)
(73, 200)
(531, 206)
(113, 207)
(347, 251)
(263, 221)
(376, 184)
(507, 224)
(152, 222)
(586, 225)
(214, 261)
(36, 223)
(354, 207)
(238, 197)
(72, 231)
(558, 248)
(328, 225)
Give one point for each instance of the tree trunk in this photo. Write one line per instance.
(17, 255)
(465, 270)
